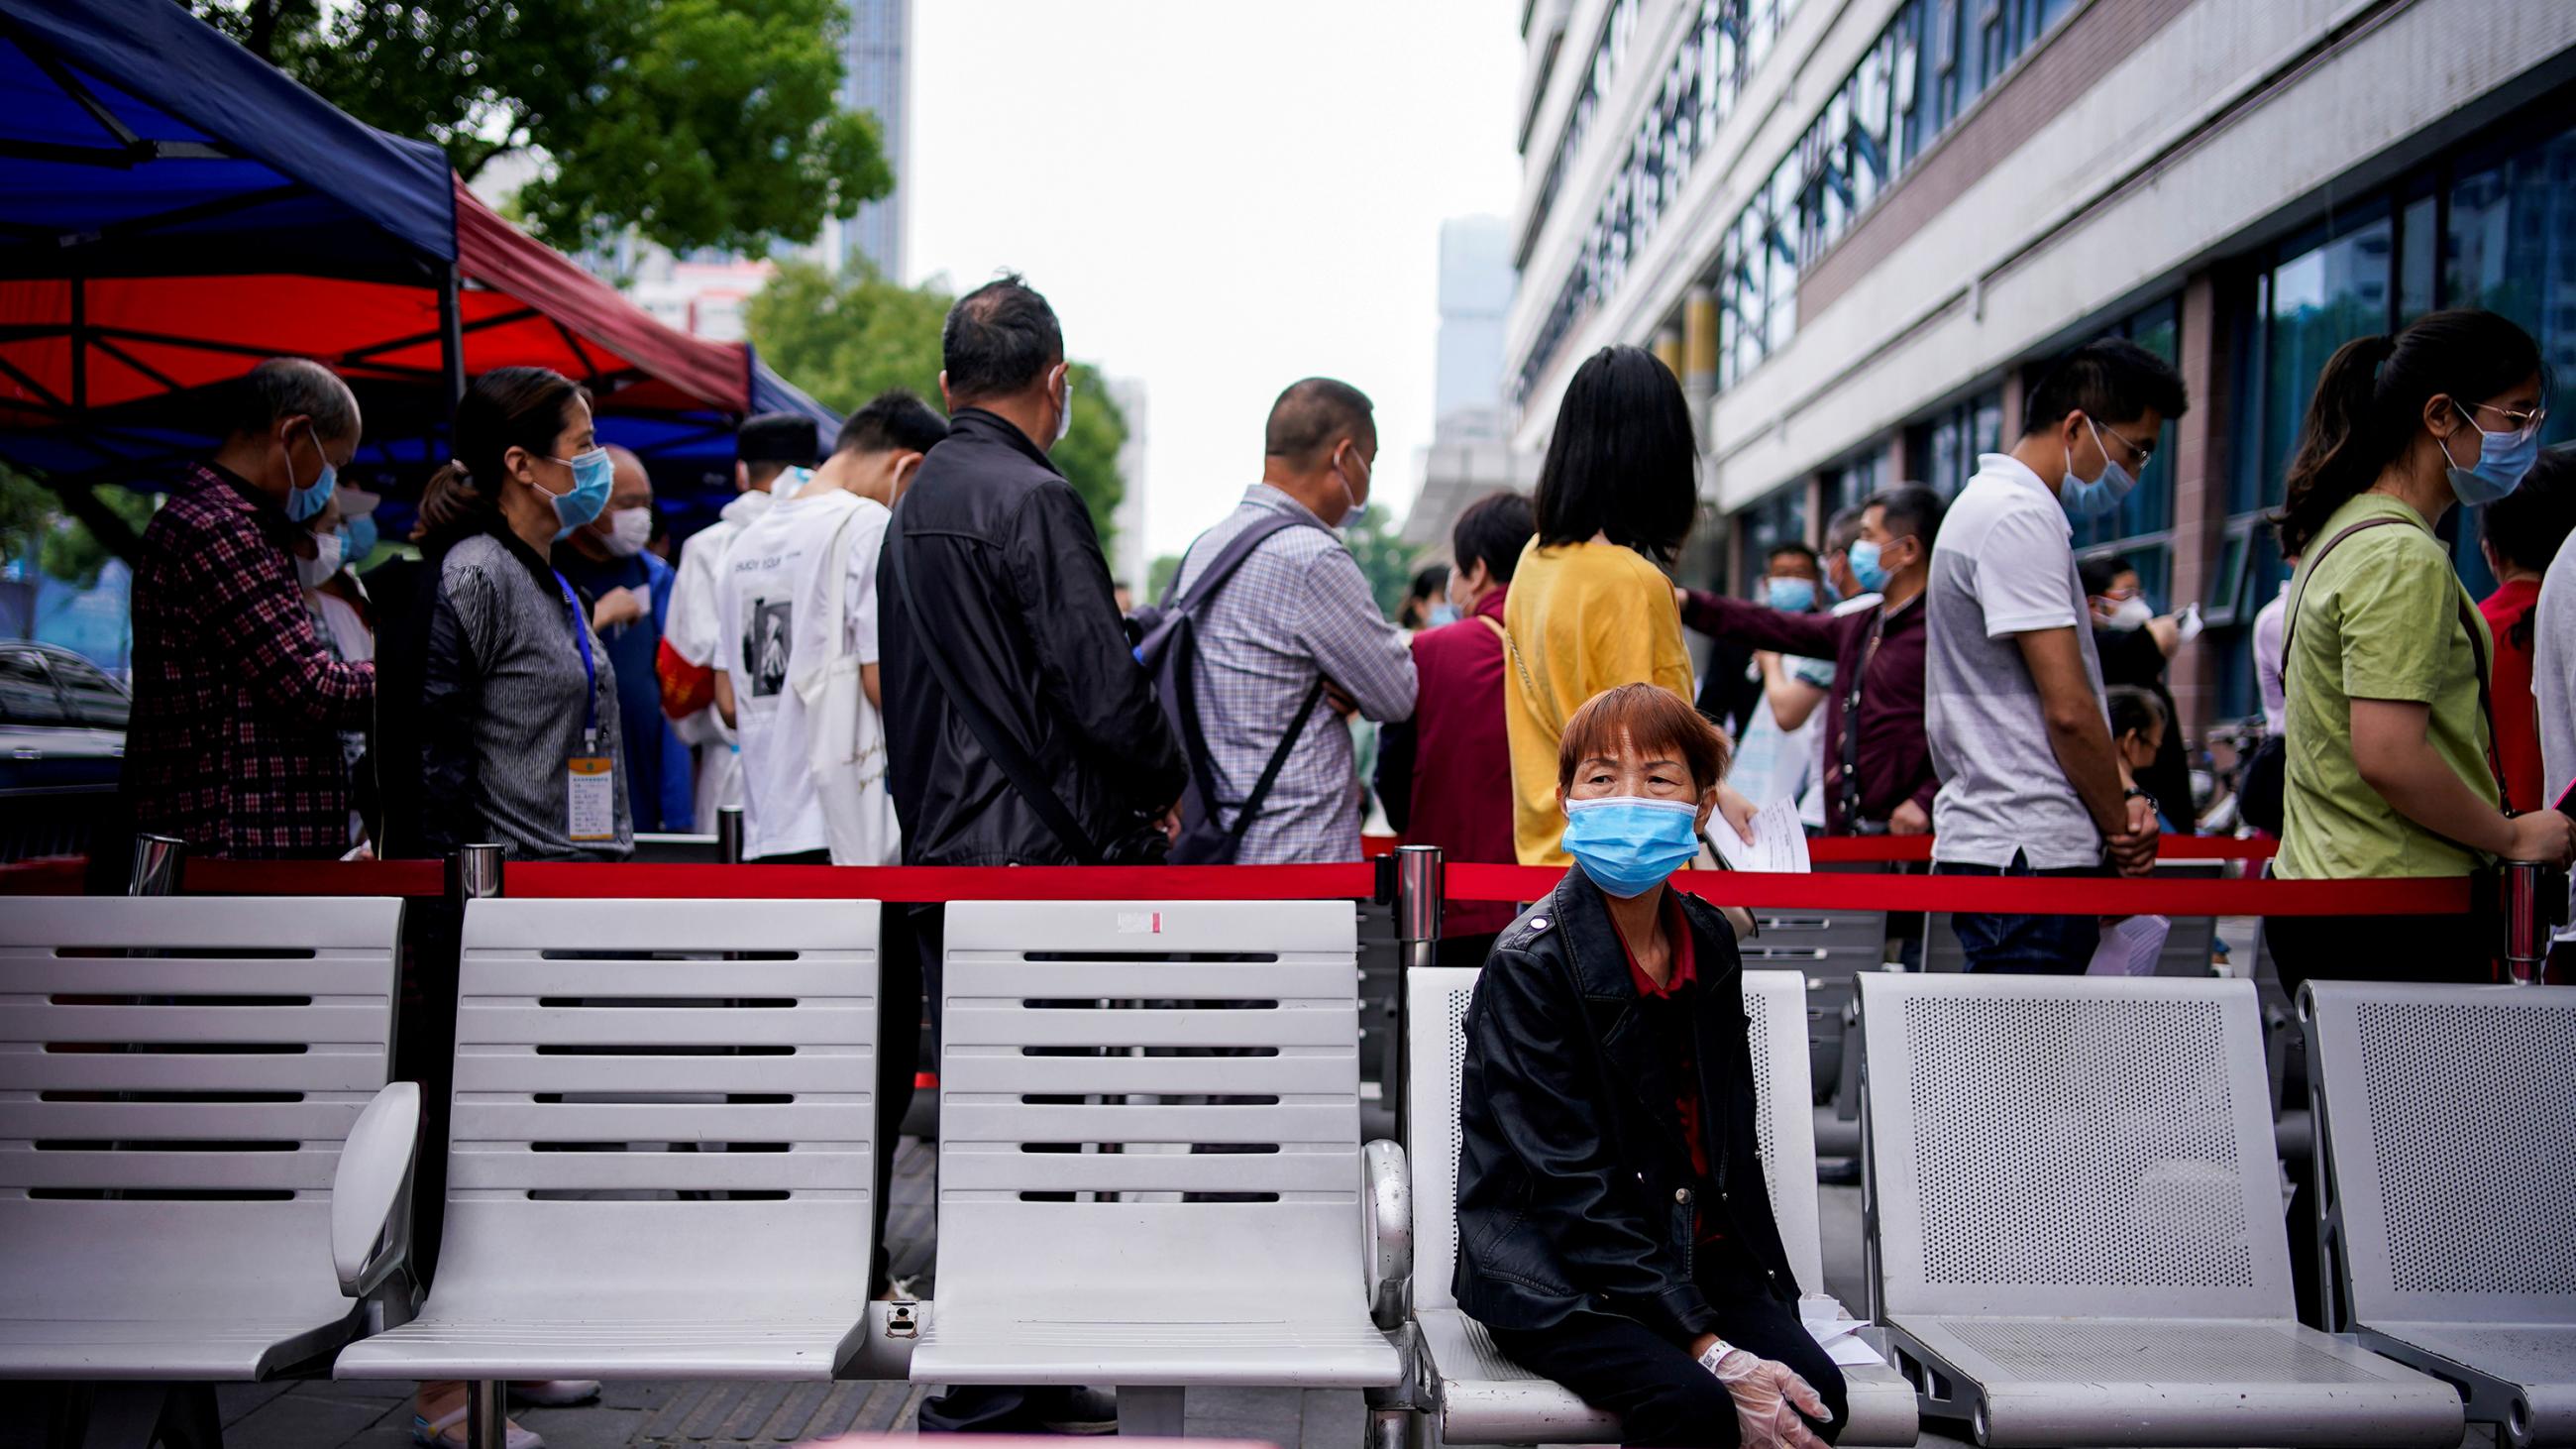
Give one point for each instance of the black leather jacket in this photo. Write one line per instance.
(1575, 1191)
(1015, 593)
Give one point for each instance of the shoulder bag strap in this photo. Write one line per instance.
(999, 747)
(1270, 772)
(2468, 625)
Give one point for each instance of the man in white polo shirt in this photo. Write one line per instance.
(2030, 785)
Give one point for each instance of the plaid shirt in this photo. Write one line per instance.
(238, 705)
(1298, 607)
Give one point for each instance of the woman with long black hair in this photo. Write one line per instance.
(2390, 766)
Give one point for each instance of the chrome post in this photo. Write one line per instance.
(158, 860)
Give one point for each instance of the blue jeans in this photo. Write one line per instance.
(2026, 945)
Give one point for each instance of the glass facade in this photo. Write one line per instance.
(1728, 40)
(1777, 519)
(1942, 451)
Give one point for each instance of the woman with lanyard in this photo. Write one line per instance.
(2390, 767)
(519, 720)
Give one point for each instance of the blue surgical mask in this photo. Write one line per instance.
(1443, 614)
(303, 503)
(1797, 596)
(590, 483)
(2103, 494)
(2503, 459)
(358, 537)
(1862, 558)
(1628, 844)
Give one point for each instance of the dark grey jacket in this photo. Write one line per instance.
(1015, 593)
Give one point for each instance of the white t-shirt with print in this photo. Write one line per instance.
(764, 571)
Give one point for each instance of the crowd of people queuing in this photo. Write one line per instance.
(907, 647)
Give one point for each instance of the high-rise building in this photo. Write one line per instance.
(1129, 561)
(1468, 456)
(877, 78)
(1861, 231)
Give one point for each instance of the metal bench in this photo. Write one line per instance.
(662, 1146)
(2448, 1150)
(1150, 1166)
(1478, 1395)
(2075, 1222)
(204, 1175)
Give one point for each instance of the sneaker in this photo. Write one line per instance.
(449, 1433)
(1074, 1410)
(554, 1393)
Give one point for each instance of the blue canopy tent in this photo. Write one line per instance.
(152, 249)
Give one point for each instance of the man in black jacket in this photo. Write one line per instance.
(992, 586)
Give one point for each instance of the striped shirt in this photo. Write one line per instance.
(1298, 607)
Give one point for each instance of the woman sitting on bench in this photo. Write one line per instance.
(1614, 1230)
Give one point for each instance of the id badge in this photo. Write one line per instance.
(592, 781)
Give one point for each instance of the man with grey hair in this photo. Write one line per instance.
(238, 706)
(1289, 640)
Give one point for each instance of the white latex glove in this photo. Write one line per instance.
(2187, 624)
(1768, 1395)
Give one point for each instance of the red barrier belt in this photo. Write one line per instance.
(314, 877)
(2011, 895)
(1348, 880)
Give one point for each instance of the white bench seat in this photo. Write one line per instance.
(2076, 1219)
(661, 1157)
(1482, 1396)
(167, 1212)
(2447, 1149)
(1150, 1164)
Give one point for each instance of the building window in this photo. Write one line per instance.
(1942, 452)
(1777, 519)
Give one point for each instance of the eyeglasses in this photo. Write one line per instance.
(2143, 453)
(2520, 425)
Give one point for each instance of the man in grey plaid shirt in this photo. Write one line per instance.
(1298, 607)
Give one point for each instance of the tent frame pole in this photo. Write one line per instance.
(451, 340)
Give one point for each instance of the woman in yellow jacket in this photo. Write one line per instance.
(1590, 606)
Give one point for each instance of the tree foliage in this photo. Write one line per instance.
(846, 339)
(36, 535)
(701, 123)
(1383, 557)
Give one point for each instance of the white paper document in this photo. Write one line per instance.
(2130, 946)
(1836, 1332)
(1779, 842)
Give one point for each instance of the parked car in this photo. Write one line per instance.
(62, 745)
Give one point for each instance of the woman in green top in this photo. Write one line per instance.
(2388, 748)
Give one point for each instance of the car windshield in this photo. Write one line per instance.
(27, 695)
(95, 698)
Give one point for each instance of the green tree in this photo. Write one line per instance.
(37, 535)
(701, 123)
(1159, 575)
(846, 339)
(1383, 558)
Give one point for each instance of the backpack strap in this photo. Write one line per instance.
(999, 747)
(2468, 625)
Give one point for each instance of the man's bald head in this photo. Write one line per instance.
(628, 468)
(1314, 415)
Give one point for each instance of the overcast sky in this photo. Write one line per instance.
(1219, 197)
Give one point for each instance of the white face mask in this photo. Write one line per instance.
(315, 571)
(629, 529)
(2130, 613)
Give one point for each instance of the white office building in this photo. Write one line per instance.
(1469, 456)
(1859, 230)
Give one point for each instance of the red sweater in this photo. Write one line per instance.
(2517, 714)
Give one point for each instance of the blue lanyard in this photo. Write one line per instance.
(589, 669)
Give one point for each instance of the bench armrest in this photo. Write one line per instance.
(1386, 1222)
(371, 1191)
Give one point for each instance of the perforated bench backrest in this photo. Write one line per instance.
(2075, 1146)
(1145, 1105)
(2452, 1119)
(1775, 1020)
(177, 1076)
(663, 1108)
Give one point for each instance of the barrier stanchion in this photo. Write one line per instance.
(473, 873)
(2535, 905)
(1419, 879)
(158, 860)
(729, 834)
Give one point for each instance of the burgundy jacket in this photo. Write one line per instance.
(1895, 754)
(1445, 775)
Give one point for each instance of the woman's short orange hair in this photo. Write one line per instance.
(1652, 720)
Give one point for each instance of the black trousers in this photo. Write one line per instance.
(1660, 1393)
(899, 1004)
